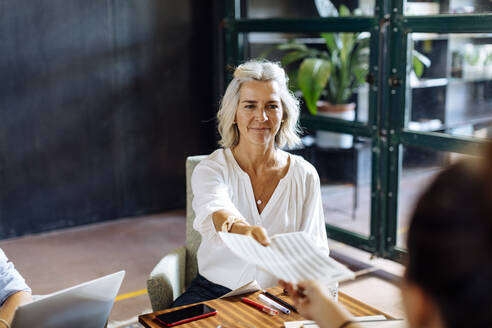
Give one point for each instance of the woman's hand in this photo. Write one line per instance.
(241, 227)
(314, 302)
(256, 232)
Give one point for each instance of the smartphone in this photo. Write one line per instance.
(188, 314)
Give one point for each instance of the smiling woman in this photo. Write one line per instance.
(259, 114)
(255, 71)
(251, 186)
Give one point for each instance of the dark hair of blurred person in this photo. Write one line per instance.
(448, 281)
(450, 247)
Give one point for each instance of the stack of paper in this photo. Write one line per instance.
(250, 287)
(364, 322)
(291, 257)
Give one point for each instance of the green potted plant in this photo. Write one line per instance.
(328, 78)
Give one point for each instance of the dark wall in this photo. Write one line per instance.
(100, 103)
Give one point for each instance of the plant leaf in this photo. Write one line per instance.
(421, 58)
(330, 41)
(343, 11)
(347, 46)
(292, 84)
(360, 76)
(312, 78)
(418, 67)
(292, 45)
(293, 56)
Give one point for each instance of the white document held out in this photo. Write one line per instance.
(291, 257)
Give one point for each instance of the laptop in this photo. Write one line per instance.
(83, 306)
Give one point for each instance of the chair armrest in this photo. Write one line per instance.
(167, 279)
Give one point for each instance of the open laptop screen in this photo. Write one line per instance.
(85, 306)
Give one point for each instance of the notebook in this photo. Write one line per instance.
(83, 306)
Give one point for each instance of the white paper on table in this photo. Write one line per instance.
(300, 324)
(292, 257)
(384, 324)
(364, 322)
(378, 317)
(252, 286)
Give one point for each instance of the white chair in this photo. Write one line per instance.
(175, 271)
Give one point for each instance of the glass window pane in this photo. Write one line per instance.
(453, 94)
(307, 8)
(344, 167)
(437, 7)
(350, 95)
(419, 167)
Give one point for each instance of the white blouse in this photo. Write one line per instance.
(218, 183)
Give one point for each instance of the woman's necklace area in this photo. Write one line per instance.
(261, 195)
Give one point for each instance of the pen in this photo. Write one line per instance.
(280, 301)
(274, 304)
(259, 306)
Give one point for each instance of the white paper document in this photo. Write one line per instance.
(365, 322)
(252, 286)
(292, 257)
(300, 324)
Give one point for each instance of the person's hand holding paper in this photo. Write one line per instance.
(290, 257)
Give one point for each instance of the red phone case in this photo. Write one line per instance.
(187, 320)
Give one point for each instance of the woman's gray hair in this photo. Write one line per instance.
(255, 70)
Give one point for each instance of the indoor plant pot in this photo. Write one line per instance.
(325, 139)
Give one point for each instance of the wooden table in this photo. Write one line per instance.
(231, 312)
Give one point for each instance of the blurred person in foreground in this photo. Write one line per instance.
(251, 186)
(13, 290)
(448, 279)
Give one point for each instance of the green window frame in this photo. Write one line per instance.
(388, 100)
